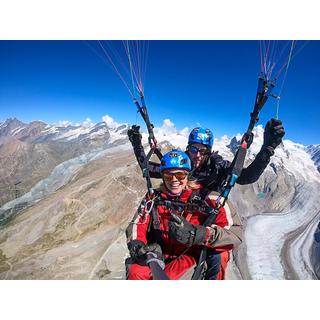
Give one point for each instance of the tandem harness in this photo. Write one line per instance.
(194, 204)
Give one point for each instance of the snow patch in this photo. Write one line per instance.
(314, 151)
(17, 130)
(98, 133)
(50, 129)
(73, 133)
(116, 134)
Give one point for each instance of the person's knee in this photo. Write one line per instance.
(137, 272)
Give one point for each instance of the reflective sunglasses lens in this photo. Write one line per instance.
(179, 175)
(167, 176)
(195, 150)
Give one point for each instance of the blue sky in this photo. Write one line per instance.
(212, 83)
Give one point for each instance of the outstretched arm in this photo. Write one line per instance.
(135, 139)
(273, 134)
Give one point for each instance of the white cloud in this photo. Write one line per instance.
(168, 128)
(169, 132)
(87, 123)
(168, 123)
(185, 132)
(110, 122)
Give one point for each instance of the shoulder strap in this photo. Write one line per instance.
(154, 233)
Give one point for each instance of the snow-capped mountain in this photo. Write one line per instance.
(314, 151)
(39, 131)
(30, 151)
(70, 224)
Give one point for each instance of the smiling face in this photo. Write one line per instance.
(175, 180)
(198, 153)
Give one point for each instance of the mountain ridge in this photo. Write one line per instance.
(29, 152)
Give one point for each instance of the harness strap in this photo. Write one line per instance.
(142, 108)
(195, 203)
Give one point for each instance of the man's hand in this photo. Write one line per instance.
(273, 133)
(135, 135)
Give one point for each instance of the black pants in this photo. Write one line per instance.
(213, 264)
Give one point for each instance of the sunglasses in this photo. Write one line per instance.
(202, 151)
(168, 176)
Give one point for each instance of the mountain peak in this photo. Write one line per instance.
(13, 122)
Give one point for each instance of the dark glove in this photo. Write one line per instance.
(273, 133)
(185, 232)
(138, 251)
(135, 135)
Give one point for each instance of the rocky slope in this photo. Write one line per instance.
(29, 152)
(71, 233)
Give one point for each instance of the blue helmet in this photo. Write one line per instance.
(175, 159)
(201, 135)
